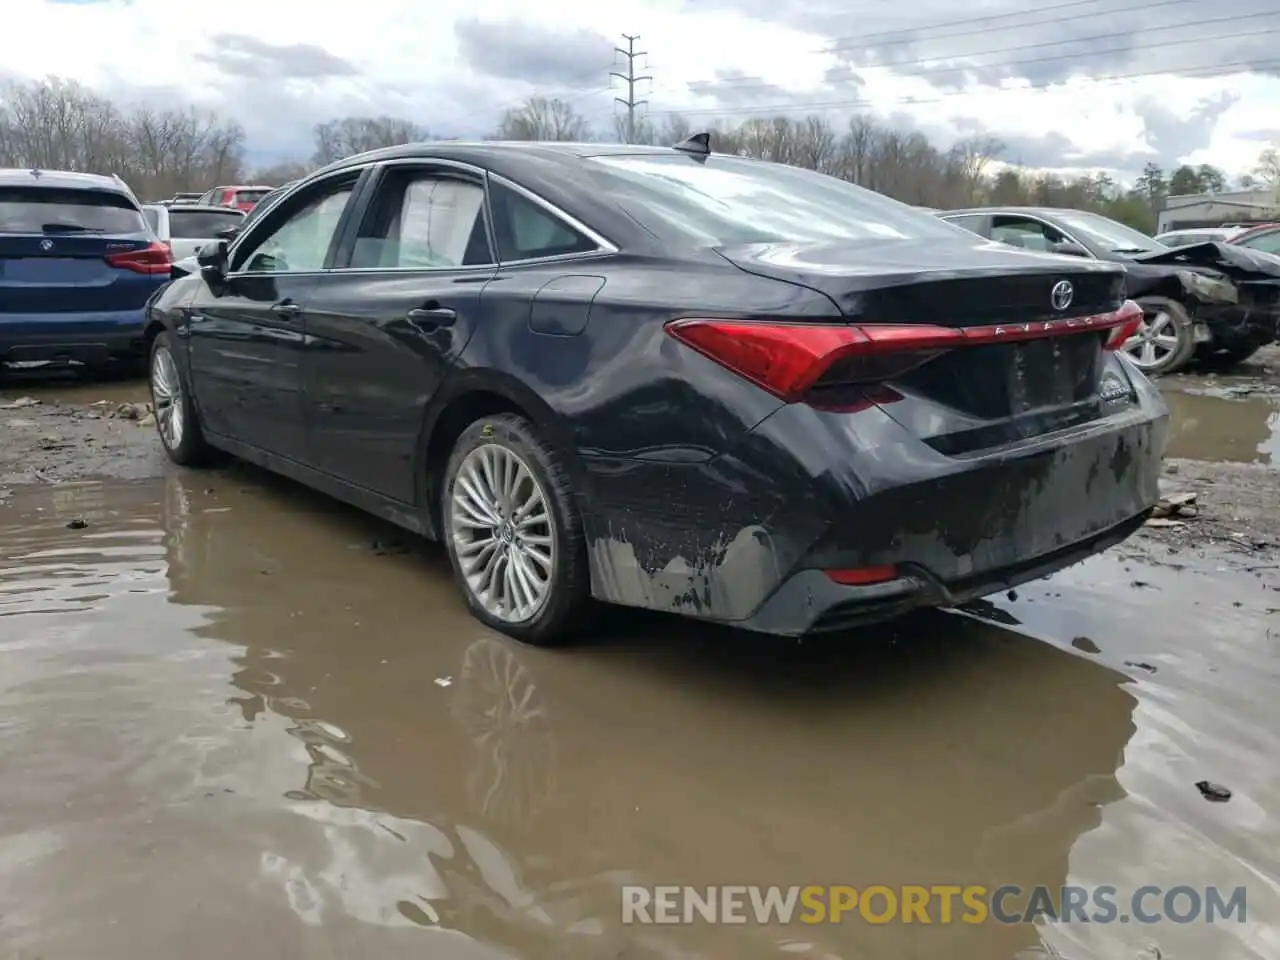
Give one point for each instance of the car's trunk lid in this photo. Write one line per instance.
(68, 273)
(972, 397)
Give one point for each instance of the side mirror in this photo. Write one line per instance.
(1070, 249)
(227, 233)
(213, 259)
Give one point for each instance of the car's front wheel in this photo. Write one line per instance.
(1166, 341)
(174, 407)
(513, 533)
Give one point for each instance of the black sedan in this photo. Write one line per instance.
(659, 377)
(1207, 301)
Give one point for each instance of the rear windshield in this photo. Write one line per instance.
(726, 200)
(201, 224)
(250, 196)
(48, 210)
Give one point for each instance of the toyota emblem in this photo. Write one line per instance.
(46, 245)
(1062, 295)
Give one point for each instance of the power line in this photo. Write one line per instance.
(630, 79)
(877, 39)
(1122, 34)
(1216, 70)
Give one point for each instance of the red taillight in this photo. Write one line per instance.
(788, 359)
(863, 576)
(1128, 320)
(153, 260)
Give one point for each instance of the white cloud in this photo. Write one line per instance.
(403, 58)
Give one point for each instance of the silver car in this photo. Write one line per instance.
(188, 227)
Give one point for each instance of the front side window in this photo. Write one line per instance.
(425, 221)
(719, 200)
(300, 244)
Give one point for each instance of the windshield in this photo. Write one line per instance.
(1109, 235)
(47, 210)
(726, 200)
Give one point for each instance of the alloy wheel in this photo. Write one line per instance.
(1155, 341)
(502, 532)
(166, 397)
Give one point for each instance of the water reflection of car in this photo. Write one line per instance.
(522, 791)
(512, 370)
(1204, 302)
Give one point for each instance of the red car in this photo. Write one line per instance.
(1264, 238)
(240, 196)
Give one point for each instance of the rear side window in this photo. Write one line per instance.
(424, 221)
(526, 231)
(152, 216)
(48, 210)
(970, 222)
(200, 224)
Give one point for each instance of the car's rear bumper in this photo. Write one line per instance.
(88, 337)
(811, 602)
(747, 539)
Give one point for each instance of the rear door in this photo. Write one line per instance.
(247, 333)
(67, 251)
(191, 228)
(384, 328)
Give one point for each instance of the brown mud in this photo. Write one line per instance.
(239, 719)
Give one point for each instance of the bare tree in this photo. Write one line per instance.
(973, 157)
(346, 136)
(540, 118)
(1267, 170)
(60, 124)
(280, 173)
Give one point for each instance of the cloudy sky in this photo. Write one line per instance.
(1064, 83)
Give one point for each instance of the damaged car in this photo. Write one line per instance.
(1214, 303)
(664, 378)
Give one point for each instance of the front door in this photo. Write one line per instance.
(246, 332)
(384, 328)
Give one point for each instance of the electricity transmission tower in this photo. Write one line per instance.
(630, 79)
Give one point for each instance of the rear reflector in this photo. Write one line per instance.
(788, 359)
(863, 576)
(153, 260)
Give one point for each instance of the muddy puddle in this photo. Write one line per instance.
(237, 719)
(1222, 427)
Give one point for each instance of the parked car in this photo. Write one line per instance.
(241, 197)
(184, 266)
(1264, 239)
(730, 389)
(185, 228)
(1211, 302)
(182, 198)
(77, 264)
(1185, 238)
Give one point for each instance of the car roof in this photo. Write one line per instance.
(1033, 211)
(498, 153)
(63, 180)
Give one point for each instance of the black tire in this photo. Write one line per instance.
(1183, 328)
(568, 603)
(1225, 358)
(190, 450)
